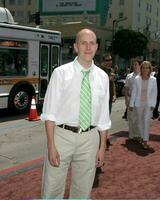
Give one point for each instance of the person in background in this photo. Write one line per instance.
(76, 122)
(143, 99)
(106, 65)
(128, 71)
(154, 69)
(155, 111)
(131, 116)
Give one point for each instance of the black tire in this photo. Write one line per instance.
(20, 100)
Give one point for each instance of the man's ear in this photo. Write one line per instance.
(97, 47)
(75, 47)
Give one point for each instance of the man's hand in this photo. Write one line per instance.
(114, 99)
(54, 157)
(100, 157)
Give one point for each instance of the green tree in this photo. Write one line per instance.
(129, 44)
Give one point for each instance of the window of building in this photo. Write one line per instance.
(110, 15)
(157, 1)
(139, 3)
(138, 17)
(29, 2)
(20, 14)
(147, 7)
(157, 12)
(146, 21)
(12, 2)
(121, 14)
(50, 22)
(20, 2)
(150, 8)
(28, 16)
(121, 2)
(156, 24)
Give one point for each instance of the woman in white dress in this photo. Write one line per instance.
(143, 98)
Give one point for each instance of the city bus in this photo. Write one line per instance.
(28, 55)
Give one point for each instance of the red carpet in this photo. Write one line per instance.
(129, 172)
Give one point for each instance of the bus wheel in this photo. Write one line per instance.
(20, 100)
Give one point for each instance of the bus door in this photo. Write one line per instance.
(49, 60)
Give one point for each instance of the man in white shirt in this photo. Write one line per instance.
(68, 144)
(132, 119)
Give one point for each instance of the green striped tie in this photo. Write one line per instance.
(85, 102)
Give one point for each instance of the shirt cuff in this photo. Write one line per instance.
(45, 117)
(104, 127)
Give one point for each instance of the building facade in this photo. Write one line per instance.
(70, 16)
(105, 17)
(21, 10)
(140, 15)
(67, 16)
(65, 11)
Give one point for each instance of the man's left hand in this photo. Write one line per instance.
(100, 157)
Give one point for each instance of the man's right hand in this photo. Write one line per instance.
(54, 157)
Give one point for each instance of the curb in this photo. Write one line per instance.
(23, 167)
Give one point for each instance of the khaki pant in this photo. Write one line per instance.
(77, 151)
(133, 124)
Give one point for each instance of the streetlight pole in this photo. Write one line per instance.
(115, 21)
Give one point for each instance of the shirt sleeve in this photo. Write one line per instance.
(126, 82)
(134, 94)
(52, 96)
(104, 122)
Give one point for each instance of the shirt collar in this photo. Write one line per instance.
(135, 74)
(79, 67)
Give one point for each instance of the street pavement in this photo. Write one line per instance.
(22, 145)
(22, 141)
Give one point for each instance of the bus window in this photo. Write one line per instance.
(1, 65)
(13, 58)
(44, 61)
(44, 69)
(55, 57)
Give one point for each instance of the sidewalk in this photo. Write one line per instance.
(129, 172)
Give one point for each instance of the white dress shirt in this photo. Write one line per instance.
(62, 99)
